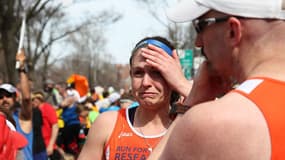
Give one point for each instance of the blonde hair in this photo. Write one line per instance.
(39, 95)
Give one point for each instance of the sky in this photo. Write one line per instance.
(124, 34)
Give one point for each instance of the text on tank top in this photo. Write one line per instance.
(126, 142)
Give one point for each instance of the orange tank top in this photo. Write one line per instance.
(126, 143)
(269, 95)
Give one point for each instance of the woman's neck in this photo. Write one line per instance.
(152, 121)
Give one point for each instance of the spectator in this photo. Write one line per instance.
(10, 141)
(99, 90)
(49, 127)
(126, 99)
(53, 96)
(68, 139)
(93, 110)
(114, 99)
(28, 120)
(103, 104)
(72, 92)
(94, 95)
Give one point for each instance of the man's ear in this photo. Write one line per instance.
(235, 32)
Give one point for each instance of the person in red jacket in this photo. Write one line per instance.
(10, 141)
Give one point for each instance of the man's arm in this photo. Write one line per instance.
(26, 107)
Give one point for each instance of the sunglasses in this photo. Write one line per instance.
(201, 24)
(7, 95)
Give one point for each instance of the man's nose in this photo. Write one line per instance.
(198, 40)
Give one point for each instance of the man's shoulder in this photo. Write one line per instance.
(228, 124)
(229, 111)
(232, 108)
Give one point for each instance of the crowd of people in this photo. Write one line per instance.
(53, 122)
(232, 110)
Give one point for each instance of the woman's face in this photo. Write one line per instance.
(148, 86)
(36, 102)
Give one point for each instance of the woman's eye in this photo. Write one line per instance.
(156, 73)
(138, 73)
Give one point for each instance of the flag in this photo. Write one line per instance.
(80, 83)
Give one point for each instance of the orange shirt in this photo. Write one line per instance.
(128, 144)
(269, 94)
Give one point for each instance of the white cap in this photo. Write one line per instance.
(8, 88)
(188, 10)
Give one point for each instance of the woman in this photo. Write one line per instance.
(49, 124)
(133, 133)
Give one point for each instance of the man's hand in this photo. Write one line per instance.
(21, 57)
(208, 85)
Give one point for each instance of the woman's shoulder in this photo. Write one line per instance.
(106, 119)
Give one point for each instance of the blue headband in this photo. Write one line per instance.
(157, 44)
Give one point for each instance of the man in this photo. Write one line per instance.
(53, 96)
(243, 41)
(28, 120)
(8, 97)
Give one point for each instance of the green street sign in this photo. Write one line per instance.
(186, 60)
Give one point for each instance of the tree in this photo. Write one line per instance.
(11, 12)
(85, 38)
(46, 25)
(88, 55)
(182, 35)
